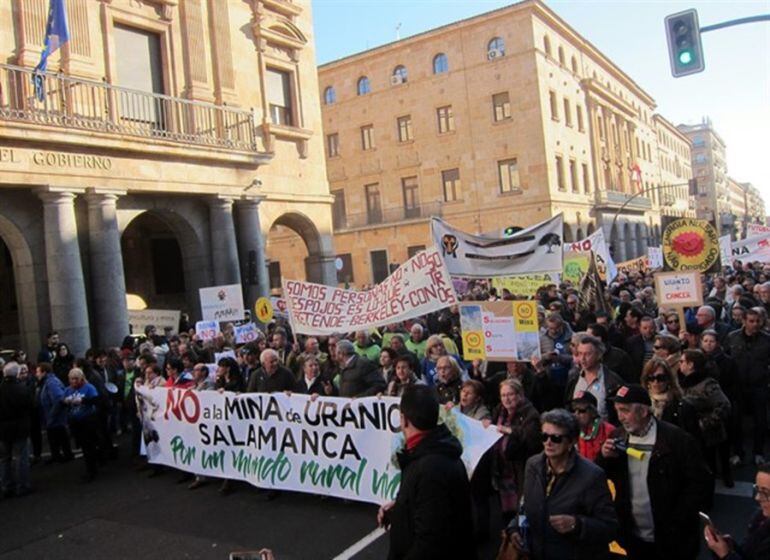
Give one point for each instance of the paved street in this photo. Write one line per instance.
(125, 514)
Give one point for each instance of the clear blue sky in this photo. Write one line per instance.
(734, 90)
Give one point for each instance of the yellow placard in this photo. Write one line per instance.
(473, 345)
(575, 266)
(263, 310)
(525, 315)
(690, 244)
(523, 284)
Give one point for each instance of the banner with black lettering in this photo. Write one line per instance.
(330, 446)
(533, 250)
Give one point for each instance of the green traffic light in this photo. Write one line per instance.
(685, 57)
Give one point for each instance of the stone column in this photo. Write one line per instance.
(108, 282)
(251, 244)
(224, 248)
(64, 270)
(321, 270)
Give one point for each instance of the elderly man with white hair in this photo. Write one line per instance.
(417, 340)
(706, 317)
(271, 377)
(16, 404)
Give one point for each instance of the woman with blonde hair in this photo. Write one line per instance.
(666, 395)
(434, 349)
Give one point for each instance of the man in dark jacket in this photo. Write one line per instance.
(641, 348)
(750, 348)
(358, 376)
(16, 404)
(272, 377)
(615, 359)
(431, 517)
(659, 490)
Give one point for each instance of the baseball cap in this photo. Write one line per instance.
(584, 397)
(632, 394)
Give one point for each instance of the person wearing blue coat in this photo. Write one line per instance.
(54, 414)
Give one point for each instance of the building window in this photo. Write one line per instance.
(332, 145)
(411, 192)
(345, 273)
(547, 45)
(579, 113)
(379, 261)
(567, 113)
(339, 215)
(586, 179)
(561, 56)
(573, 176)
(399, 75)
(508, 175)
(554, 105)
(496, 48)
(414, 249)
(450, 179)
(274, 273)
(279, 96)
(405, 128)
(698, 142)
(373, 203)
(363, 85)
(502, 106)
(440, 63)
(446, 119)
(139, 66)
(560, 174)
(600, 126)
(367, 137)
(330, 96)
(574, 65)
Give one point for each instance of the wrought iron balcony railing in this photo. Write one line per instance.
(75, 103)
(386, 216)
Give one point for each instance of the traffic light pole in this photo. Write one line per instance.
(733, 22)
(640, 193)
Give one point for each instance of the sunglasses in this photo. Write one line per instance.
(670, 321)
(578, 411)
(662, 377)
(555, 438)
(657, 347)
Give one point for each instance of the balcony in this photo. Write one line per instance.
(386, 216)
(95, 107)
(615, 200)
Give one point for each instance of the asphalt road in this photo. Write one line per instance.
(125, 514)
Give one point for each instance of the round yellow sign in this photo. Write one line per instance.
(264, 310)
(690, 244)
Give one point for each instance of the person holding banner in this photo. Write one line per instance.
(272, 377)
(358, 376)
(431, 516)
(448, 382)
(404, 377)
(434, 350)
(312, 381)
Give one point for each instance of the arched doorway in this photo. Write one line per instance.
(591, 228)
(296, 250)
(580, 234)
(153, 262)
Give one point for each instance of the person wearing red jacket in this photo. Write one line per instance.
(593, 430)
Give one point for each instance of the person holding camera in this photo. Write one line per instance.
(81, 399)
(661, 480)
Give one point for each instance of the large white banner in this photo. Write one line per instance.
(596, 243)
(752, 249)
(753, 230)
(535, 249)
(160, 318)
(419, 286)
(330, 446)
(222, 303)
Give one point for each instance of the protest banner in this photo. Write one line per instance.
(752, 249)
(246, 333)
(575, 266)
(419, 286)
(524, 284)
(596, 243)
(726, 250)
(690, 244)
(678, 290)
(263, 309)
(280, 307)
(754, 230)
(160, 318)
(330, 446)
(500, 330)
(460, 285)
(639, 264)
(655, 257)
(531, 250)
(207, 330)
(222, 303)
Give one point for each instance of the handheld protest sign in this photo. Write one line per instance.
(264, 310)
(207, 330)
(679, 290)
(690, 244)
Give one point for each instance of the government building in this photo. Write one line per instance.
(165, 143)
(499, 120)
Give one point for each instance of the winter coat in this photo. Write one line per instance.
(580, 491)
(752, 357)
(431, 519)
(359, 378)
(711, 406)
(52, 410)
(16, 405)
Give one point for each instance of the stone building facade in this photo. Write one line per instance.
(675, 170)
(169, 139)
(502, 119)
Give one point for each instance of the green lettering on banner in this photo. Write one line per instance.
(346, 477)
(181, 452)
(384, 486)
(214, 460)
(261, 468)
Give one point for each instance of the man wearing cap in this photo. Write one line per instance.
(661, 487)
(594, 430)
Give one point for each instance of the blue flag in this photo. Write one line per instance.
(56, 34)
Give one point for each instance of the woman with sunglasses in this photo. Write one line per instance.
(434, 349)
(671, 324)
(667, 347)
(756, 545)
(662, 385)
(566, 498)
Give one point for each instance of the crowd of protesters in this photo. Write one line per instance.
(653, 399)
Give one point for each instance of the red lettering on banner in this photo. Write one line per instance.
(183, 404)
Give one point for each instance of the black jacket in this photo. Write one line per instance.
(756, 545)
(359, 378)
(619, 361)
(317, 386)
(751, 355)
(281, 380)
(16, 404)
(679, 484)
(432, 515)
(581, 491)
(635, 349)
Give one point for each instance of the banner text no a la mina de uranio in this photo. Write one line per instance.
(329, 446)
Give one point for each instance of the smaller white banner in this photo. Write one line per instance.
(655, 257)
(726, 250)
(246, 333)
(222, 303)
(207, 330)
(160, 318)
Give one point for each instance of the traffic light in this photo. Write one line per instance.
(510, 231)
(684, 45)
